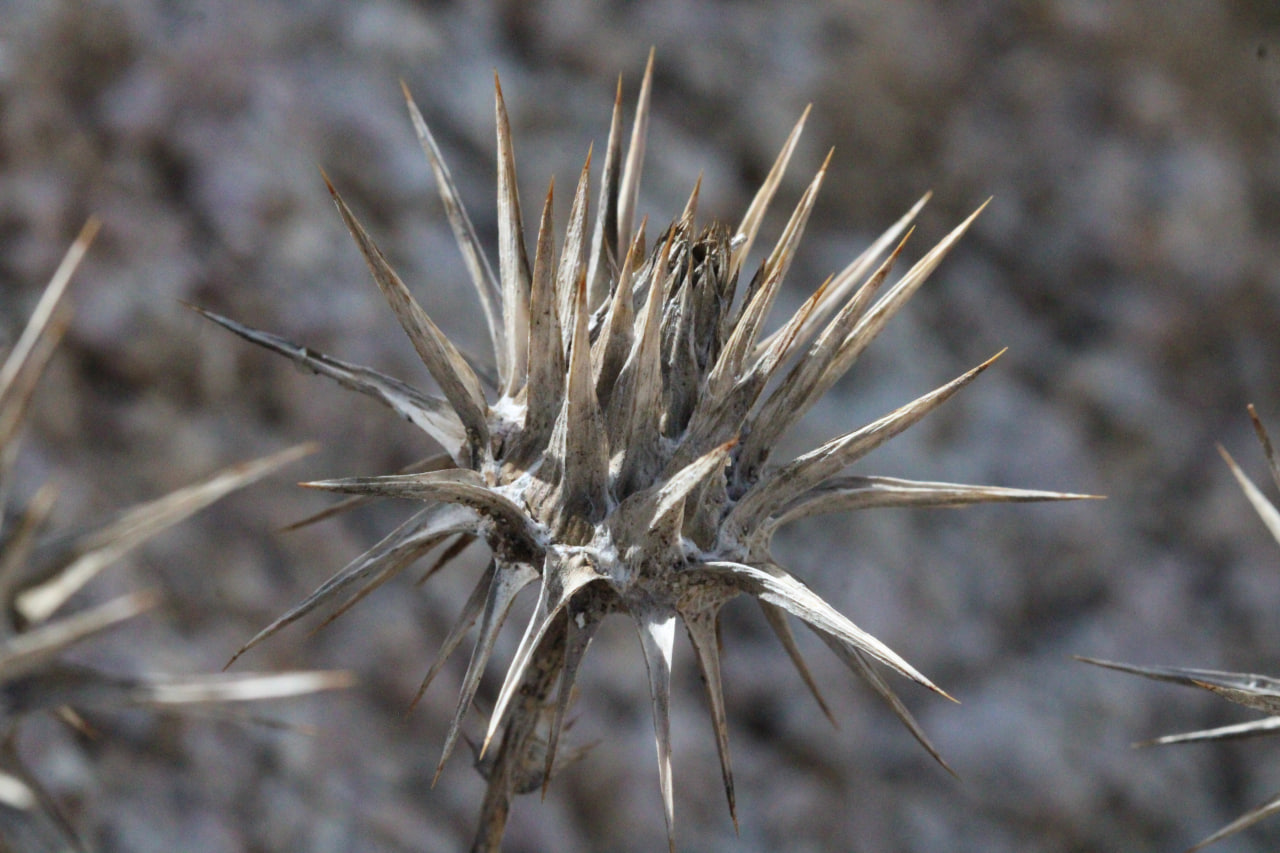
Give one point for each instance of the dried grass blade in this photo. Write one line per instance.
(45, 308)
(31, 649)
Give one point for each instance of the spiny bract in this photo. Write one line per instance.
(37, 580)
(620, 459)
(1260, 692)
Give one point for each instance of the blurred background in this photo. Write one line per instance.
(1128, 261)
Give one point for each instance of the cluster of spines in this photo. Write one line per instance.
(624, 463)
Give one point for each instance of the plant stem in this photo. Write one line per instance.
(521, 756)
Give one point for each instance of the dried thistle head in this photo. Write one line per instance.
(1259, 692)
(38, 579)
(620, 460)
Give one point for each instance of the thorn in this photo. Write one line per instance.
(88, 232)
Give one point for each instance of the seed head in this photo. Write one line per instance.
(620, 459)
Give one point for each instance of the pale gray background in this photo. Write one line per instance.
(1128, 262)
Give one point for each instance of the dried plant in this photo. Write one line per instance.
(1260, 692)
(621, 460)
(37, 580)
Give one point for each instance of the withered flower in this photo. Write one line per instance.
(620, 459)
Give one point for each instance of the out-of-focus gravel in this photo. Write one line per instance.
(1128, 261)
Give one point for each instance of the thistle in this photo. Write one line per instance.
(37, 580)
(619, 460)
(1259, 692)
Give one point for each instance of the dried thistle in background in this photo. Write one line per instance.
(622, 459)
(36, 581)
(1260, 692)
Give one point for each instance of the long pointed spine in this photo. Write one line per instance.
(580, 628)
(793, 399)
(851, 276)
(617, 332)
(45, 308)
(630, 189)
(455, 377)
(807, 471)
(633, 410)
(579, 438)
(572, 254)
(561, 579)
(513, 260)
(800, 389)
(777, 619)
(513, 756)
(657, 639)
(745, 236)
(431, 414)
(546, 352)
(482, 277)
(758, 302)
(704, 635)
(503, 589)
(606, 243)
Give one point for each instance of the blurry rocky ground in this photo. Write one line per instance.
(1128, 261)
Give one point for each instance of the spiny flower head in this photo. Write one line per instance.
(37, 580)
(1259, 692)
(620, 459)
